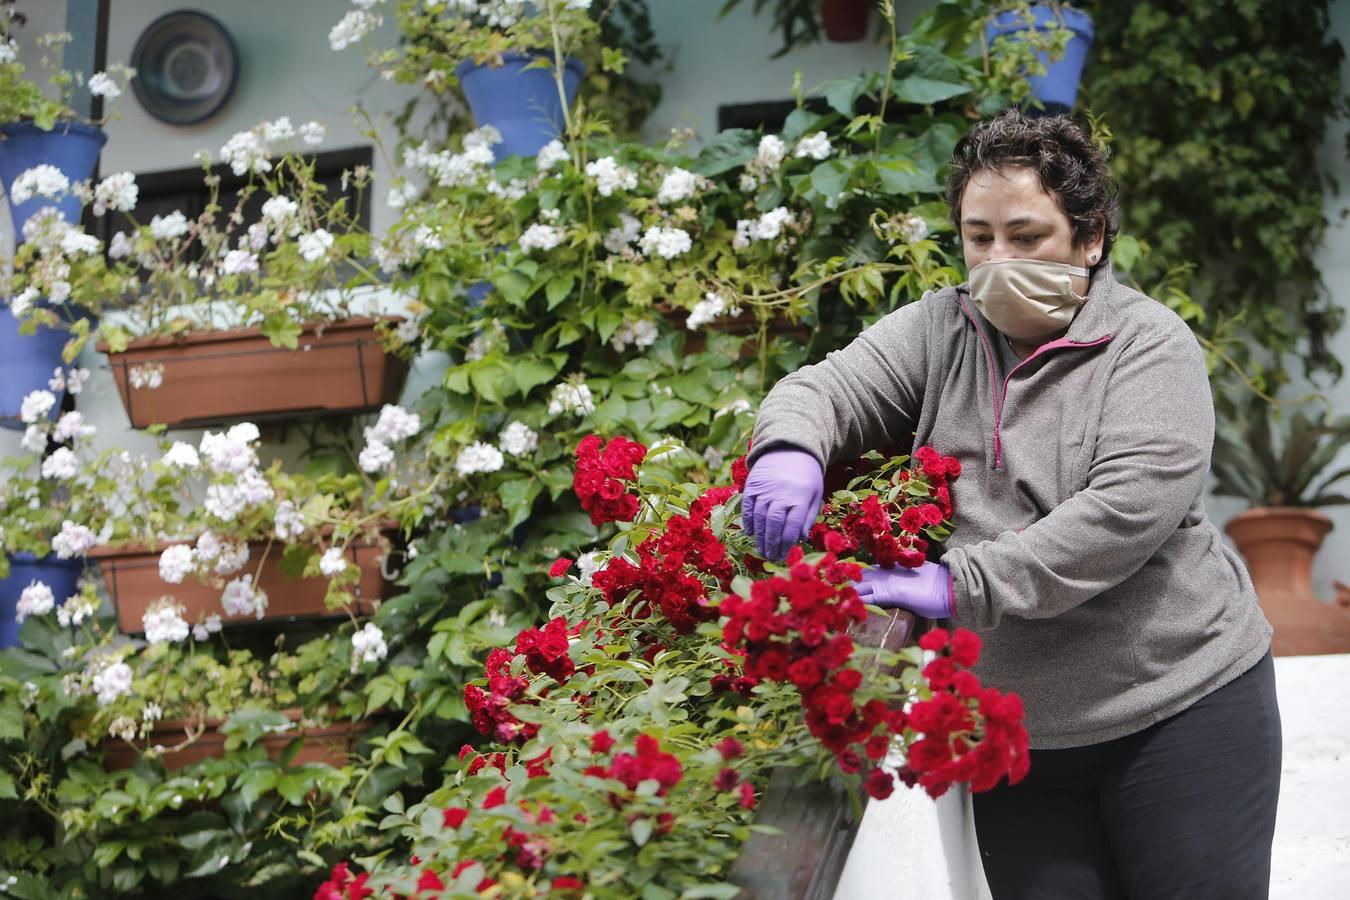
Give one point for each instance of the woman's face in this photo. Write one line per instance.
(1008, 215)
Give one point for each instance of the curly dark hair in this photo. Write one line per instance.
(1071, 168)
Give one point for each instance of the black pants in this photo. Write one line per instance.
(1184, 808)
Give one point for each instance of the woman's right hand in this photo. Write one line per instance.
(782, 498)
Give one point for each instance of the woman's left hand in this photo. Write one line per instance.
(925, 591)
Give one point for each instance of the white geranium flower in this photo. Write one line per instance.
(112, 682)
(356, 24)
(288, 523)
(610, 176)
(551, 154)
(913, 229)
(315, 245)
(240, 599)
(312, 133)
(368, 644)
(333, 562)
(245, 152)
(395, 424)
(770, 225)
(771, 152)
(77, 243)
(571, 397)
(734, 408)
(101, 84)
(714, 457)
(61, 465)
(176, 563)
(239, 262)
(623, 235)
(281, 214)
(36, 405)
(678, 185)
(43, 180)
(816, 146)
(518, 439)
(34, 439)
(641, 334)
(666, 243)
(478, 457)
(541, 237)
(23, 302)
(73, 540)
(712, 306)
(182, 456)
(120, 247)
(375, 456)
(34, 600)
(116, 192)
(164, 623)
(71, 426)
(232, 557)
(166, 228)
(277, 131)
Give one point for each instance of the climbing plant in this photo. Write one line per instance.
(1218, 112)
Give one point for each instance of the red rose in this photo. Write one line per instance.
(934, 640)
(730, 748)
(430, 881)
(880, 784)
(454, 816)
(601, 742)
(747, 798)
(559, 567)
(495, 797)
(566, 883)
(726, 779)
(965, 647)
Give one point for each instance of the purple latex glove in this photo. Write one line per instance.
(781, 501)
(925, 591)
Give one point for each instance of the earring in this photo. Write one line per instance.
(1094, 258)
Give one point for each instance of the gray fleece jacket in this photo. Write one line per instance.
(1081, 553)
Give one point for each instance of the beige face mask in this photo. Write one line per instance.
(1026, 299)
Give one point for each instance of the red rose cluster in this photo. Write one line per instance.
(546, 652)
(601, 472)
(666, 576)
(793, 629)
(342, 885)
(971, 733)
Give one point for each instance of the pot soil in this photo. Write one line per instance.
(1279, 543)
(131, 575)
(328, 744)
(210, 377)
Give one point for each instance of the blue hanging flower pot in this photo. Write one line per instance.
(62, 576)
(522, 103)
(1057, 89)
(27, 361)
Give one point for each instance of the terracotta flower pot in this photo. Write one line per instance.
(329, 744)
(1279, 544)
(131, 575)
(216, 376)
(845, 21)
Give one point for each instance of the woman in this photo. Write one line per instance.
(1081, 412)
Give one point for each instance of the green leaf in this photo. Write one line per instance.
(723, 891)
(843, 93)
(7, 789)
(253, 783)
(925, 91)
(641, 830)
(729, 150)
(518, 497)
(559, 288)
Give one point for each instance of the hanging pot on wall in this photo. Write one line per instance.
(208, 377)
(522, 103)
(1279, 543)
(61, 575)
(131, 576)
(1057, 89)
(845, 21)
(330, 745)
(27, 361)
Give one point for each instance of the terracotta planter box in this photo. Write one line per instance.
(330, 745)
(1279, 543)
(218, 376)
(131, 575)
